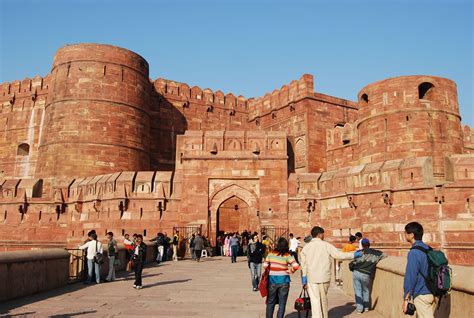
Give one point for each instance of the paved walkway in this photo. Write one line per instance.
(212, 288)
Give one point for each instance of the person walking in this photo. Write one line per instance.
(139, 258)
(316, 259)
(350, 247)
(234, 247)
(363, 269)
(160, 242)
(191, 246)
(227, 245)
(159, 247)
(294, 243)
(256, 250)
(93, 248)
(359, 238)
(128, 251)
(175, 246)
(166, 247)
(414, 284)
(198, 246)
(281, 263)
(220, 245)
(112, 250)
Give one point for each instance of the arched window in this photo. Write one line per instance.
(425, 91)
(364, 99)
(23, 150)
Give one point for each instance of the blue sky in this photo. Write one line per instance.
(253, 47)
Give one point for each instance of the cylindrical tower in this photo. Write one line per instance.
(96, 116)
(409, 116)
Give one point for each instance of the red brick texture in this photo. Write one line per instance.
(96, 144)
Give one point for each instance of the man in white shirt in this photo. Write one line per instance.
(316, 259)
(294, 243)
(93, 248)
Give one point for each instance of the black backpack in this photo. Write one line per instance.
(440, 275)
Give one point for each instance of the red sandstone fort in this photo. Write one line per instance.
(96, 144)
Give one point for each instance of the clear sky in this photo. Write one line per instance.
(253, 47)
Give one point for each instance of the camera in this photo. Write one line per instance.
(410, 309)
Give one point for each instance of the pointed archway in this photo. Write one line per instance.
(226, 198)
(233, 216)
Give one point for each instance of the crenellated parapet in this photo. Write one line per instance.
(27, 92)
(184, 96)
(286, 96)
(468, 139)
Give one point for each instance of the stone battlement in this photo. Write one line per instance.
(197, 95)
(287, 94)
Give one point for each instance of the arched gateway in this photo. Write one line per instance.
(233, 208)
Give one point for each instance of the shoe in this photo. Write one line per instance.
(366, 309)
(359, 312)
(255, 289)
(134, 286)
(139, 287)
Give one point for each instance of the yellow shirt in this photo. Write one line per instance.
(349, 248)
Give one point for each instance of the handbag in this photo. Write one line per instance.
(263, 284)
(303, 303)
(99, 257)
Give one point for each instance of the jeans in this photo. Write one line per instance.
(138, 266)
(234, 250)
(255, 273)
(111, 275)
(277, 292)
(91, 265)
(193, 255)
(361, 283)
(222, 250)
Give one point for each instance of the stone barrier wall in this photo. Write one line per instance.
(29, 272)
(387, 289)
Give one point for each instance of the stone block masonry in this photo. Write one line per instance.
(97, 144)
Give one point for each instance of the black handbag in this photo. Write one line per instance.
(303, 303)
(99, 257)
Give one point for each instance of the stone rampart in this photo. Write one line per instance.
(387, 289)
(29, 272)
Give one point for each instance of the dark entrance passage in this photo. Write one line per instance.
(233, 216)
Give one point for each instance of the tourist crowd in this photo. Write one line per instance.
(282, 258)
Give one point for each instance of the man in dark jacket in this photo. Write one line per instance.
(363, 269)
(256, 251)
(198, 246)
(139, 258)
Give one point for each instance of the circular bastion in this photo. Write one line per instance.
(96, 117)
(409, 116)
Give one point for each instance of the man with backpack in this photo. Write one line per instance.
(427, 274)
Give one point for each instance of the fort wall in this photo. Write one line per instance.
(98, 145)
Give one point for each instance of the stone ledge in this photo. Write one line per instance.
(28, 256)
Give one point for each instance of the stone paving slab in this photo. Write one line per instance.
(211, 288)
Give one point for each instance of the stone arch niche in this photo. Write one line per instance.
(226, 198)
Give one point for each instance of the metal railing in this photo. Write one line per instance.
(77, 265)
